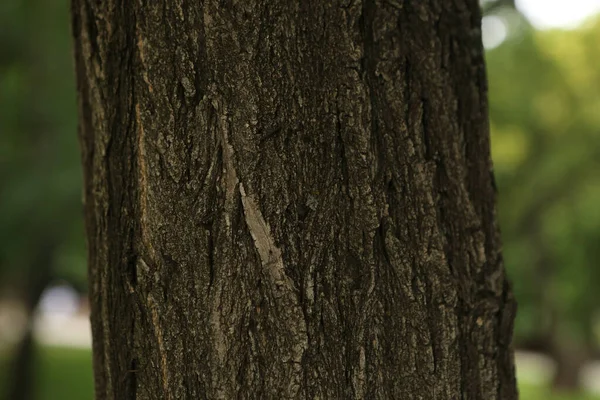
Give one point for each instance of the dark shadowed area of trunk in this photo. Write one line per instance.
(291, 200)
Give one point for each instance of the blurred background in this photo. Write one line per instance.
(543, 60)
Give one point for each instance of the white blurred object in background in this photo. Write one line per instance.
(62, 318)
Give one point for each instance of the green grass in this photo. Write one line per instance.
(66, 374)
(533, 392)
(62, 373)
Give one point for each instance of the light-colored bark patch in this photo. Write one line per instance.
(269, 253)
(143, 185)
(164, 367)
(272, 261)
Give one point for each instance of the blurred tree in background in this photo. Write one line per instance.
(41, 235)
(40, 177)
(545, 124)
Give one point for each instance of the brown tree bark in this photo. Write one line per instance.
(291, 199)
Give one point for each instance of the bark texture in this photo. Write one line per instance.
(291, 200)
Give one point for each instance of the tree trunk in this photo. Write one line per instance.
(21, 385)
(291, 200)
(570, 358)
(568, 372)
(569, 351)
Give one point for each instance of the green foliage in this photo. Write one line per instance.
(40, 178)
(545, 126)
